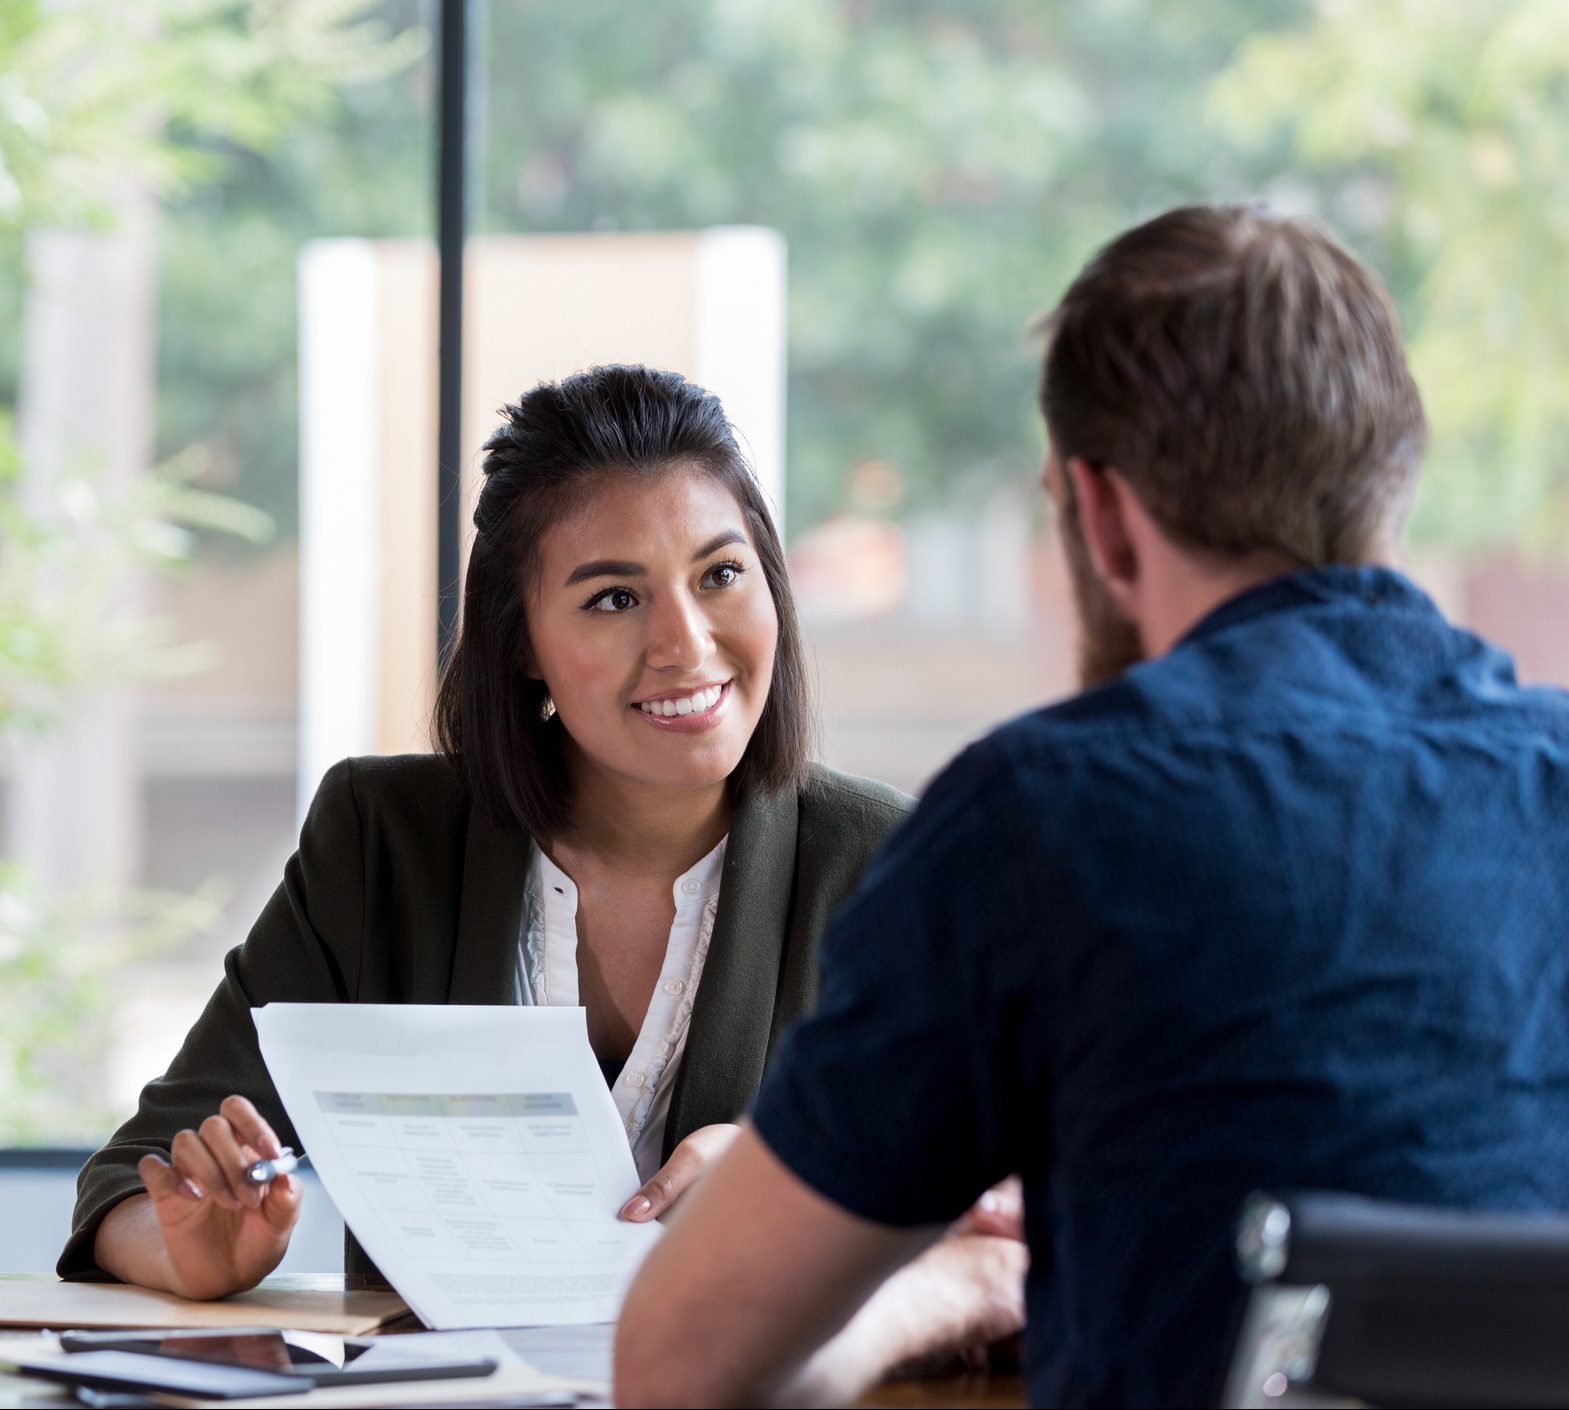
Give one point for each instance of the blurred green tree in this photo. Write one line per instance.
(97, 98)
(939, 171)
(1436, 135)
(169, 95)
(265, 122)
(94, 94)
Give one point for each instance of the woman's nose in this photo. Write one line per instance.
(679, 636)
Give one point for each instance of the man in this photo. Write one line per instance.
(1282, 902)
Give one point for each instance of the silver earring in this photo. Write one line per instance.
(547, 708)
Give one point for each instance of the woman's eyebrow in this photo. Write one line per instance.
(622, 568)
(718, 542)
(605, 568)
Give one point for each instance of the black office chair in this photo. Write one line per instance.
(1357, 1300)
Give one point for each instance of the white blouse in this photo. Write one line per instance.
(547, 974)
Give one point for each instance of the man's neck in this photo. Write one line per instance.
(1183, 589)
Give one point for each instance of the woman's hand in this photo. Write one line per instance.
(1000, 1211)
(979, 1273)
(678, 1174)
(221, 1232)
(959, 1298)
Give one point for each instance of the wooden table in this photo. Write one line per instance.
(993, 1392)
(980, 1391)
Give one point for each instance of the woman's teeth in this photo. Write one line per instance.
(694, 704)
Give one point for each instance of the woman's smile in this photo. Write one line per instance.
(688, 712)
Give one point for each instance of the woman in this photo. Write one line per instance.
(621, 815)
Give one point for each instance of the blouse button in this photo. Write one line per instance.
(635, 1079)
(691, 886)
(674, 986)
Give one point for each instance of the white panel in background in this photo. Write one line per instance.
(340, 520)
(741, 291)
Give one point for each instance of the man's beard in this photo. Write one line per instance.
(1108, 641)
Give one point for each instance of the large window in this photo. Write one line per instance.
(161, 166)
(921, 178)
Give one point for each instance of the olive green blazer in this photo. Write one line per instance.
(401, 892)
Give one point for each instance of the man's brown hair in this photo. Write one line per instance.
(1246, 376)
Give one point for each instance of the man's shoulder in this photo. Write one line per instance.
(1076, 729)
(1059, 756)
(1267, 703)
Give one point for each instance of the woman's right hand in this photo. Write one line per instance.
(221, 1232)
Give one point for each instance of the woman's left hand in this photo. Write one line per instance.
(1000, 1211)
(678, 1174)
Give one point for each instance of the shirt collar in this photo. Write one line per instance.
(698, 883)
(1372, 586)
(701, 880)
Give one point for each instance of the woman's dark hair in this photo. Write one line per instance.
(554, 449)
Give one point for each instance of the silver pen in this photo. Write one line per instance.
(264, 1172)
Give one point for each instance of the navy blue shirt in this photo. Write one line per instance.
(1287, 908)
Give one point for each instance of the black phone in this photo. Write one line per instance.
(124, 1370)
(309, 1358)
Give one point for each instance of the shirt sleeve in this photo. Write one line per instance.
(896, 1098)
(304, 948)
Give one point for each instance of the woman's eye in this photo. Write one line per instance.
(612, 600)
(724, 574)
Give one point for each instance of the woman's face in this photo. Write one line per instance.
(654, 630)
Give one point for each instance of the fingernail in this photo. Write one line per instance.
(191, 1189)
(636, 1207)
(991, 1202)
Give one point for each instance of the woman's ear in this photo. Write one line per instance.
(1102, 496)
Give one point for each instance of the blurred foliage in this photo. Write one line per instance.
(228, 321)
(940, 171)
(189, 98)
(95, 94)
(97, 99)
(176, 97)
(1437, 133)
(59, 963)
(66, 622)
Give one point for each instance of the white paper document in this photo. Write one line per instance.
(475, 1152)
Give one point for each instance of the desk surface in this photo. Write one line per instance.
(575, 1350)
(970, 1392)
(967, 1393)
